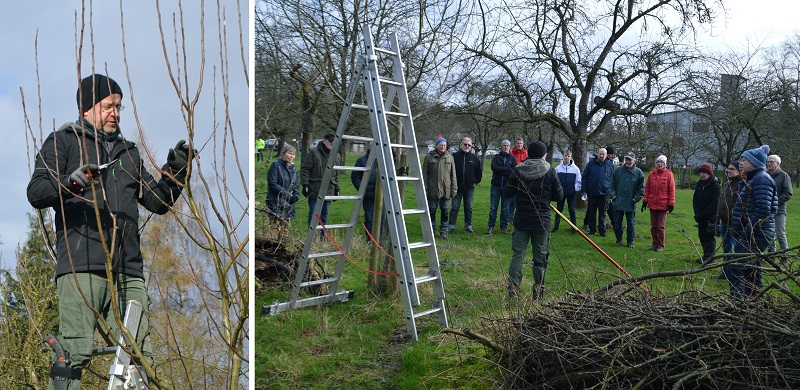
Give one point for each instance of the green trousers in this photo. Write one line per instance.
(77, 321)
(519, 246)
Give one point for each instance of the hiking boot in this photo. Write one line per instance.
(469, 228)
(603, 234)
(490, 231)
(443, 233)
(504, 230)
(618, 243)
(630, 245)
(659, 249)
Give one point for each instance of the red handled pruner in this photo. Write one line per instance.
(95, 173)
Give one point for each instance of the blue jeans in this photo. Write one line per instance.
(629, 215)
(495, 197)
(570, 200)
(519, 245)
(441, 203)
(323, 214)
(369, 207)
(727, 239)
(467, 195)
(745, 280)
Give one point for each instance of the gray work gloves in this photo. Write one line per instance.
(82, 177)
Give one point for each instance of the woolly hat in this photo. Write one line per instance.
(706, 168)
(757, 156)
(505, 142)
(610, 149)
(440, 139)
(330, 137)
(662, 158)
(93, 89)
(735, 164)
(537, 149)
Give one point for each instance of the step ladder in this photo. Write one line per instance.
(122, 375)
(379, 108)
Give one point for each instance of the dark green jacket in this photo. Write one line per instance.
(313, 169)
(626, 188)
(123, 187)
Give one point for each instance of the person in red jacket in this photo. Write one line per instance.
(659, 197)
(521, 154)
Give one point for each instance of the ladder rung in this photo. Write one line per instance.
(350, 168)
(104, 350)
(385, 51)
(357, 138)
(395, 113)
(413, 211)
(317, 282)
(339, 226)
(426, 312)
(422, 244)
(390, 82)
(323, 254)
(402, 146)
(360, 106)
(426, 278)
(342, 197)
(406, 178)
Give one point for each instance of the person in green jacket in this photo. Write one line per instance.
(439, 174)
(626, 189)
(312, 171)
(260, 144)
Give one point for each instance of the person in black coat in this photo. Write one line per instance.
(535, 184)
(705, 201)
(468, 174)
(368, 202)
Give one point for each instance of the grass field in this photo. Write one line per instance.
(363, 344)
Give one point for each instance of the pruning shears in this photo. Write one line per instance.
(95, 173)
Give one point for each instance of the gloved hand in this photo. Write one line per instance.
(306, 191)
(644, 206)
(178, 158)
(670, 208)
(82, 177)
(294, 199)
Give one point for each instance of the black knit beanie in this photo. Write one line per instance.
(537, 149)
(93, 89)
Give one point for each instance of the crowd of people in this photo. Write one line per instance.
(747, 211)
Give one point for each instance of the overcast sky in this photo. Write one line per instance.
(157, 108)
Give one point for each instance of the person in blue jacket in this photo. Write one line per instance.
(752, 221)
(502, 165)
(283, 191)
(570, 177)
(596, 178)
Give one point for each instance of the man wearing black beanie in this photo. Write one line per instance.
(94, 179)
(535, 184)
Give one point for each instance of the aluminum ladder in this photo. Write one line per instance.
(379, 107)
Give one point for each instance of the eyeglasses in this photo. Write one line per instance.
(467, 144)
(109, 107)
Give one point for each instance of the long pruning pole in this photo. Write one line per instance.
(602, 252)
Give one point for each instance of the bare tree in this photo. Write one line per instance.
(577, 65)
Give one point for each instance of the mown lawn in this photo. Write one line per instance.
(363, 344)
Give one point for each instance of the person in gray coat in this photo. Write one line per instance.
(783, 184)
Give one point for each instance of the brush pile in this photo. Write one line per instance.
(275, 262)
(634, 340)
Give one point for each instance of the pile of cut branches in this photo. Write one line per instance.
(637, 341)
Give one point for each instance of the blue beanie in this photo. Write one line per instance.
(757, 156)
(441, 139)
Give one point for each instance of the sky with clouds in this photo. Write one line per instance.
(40, 39)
